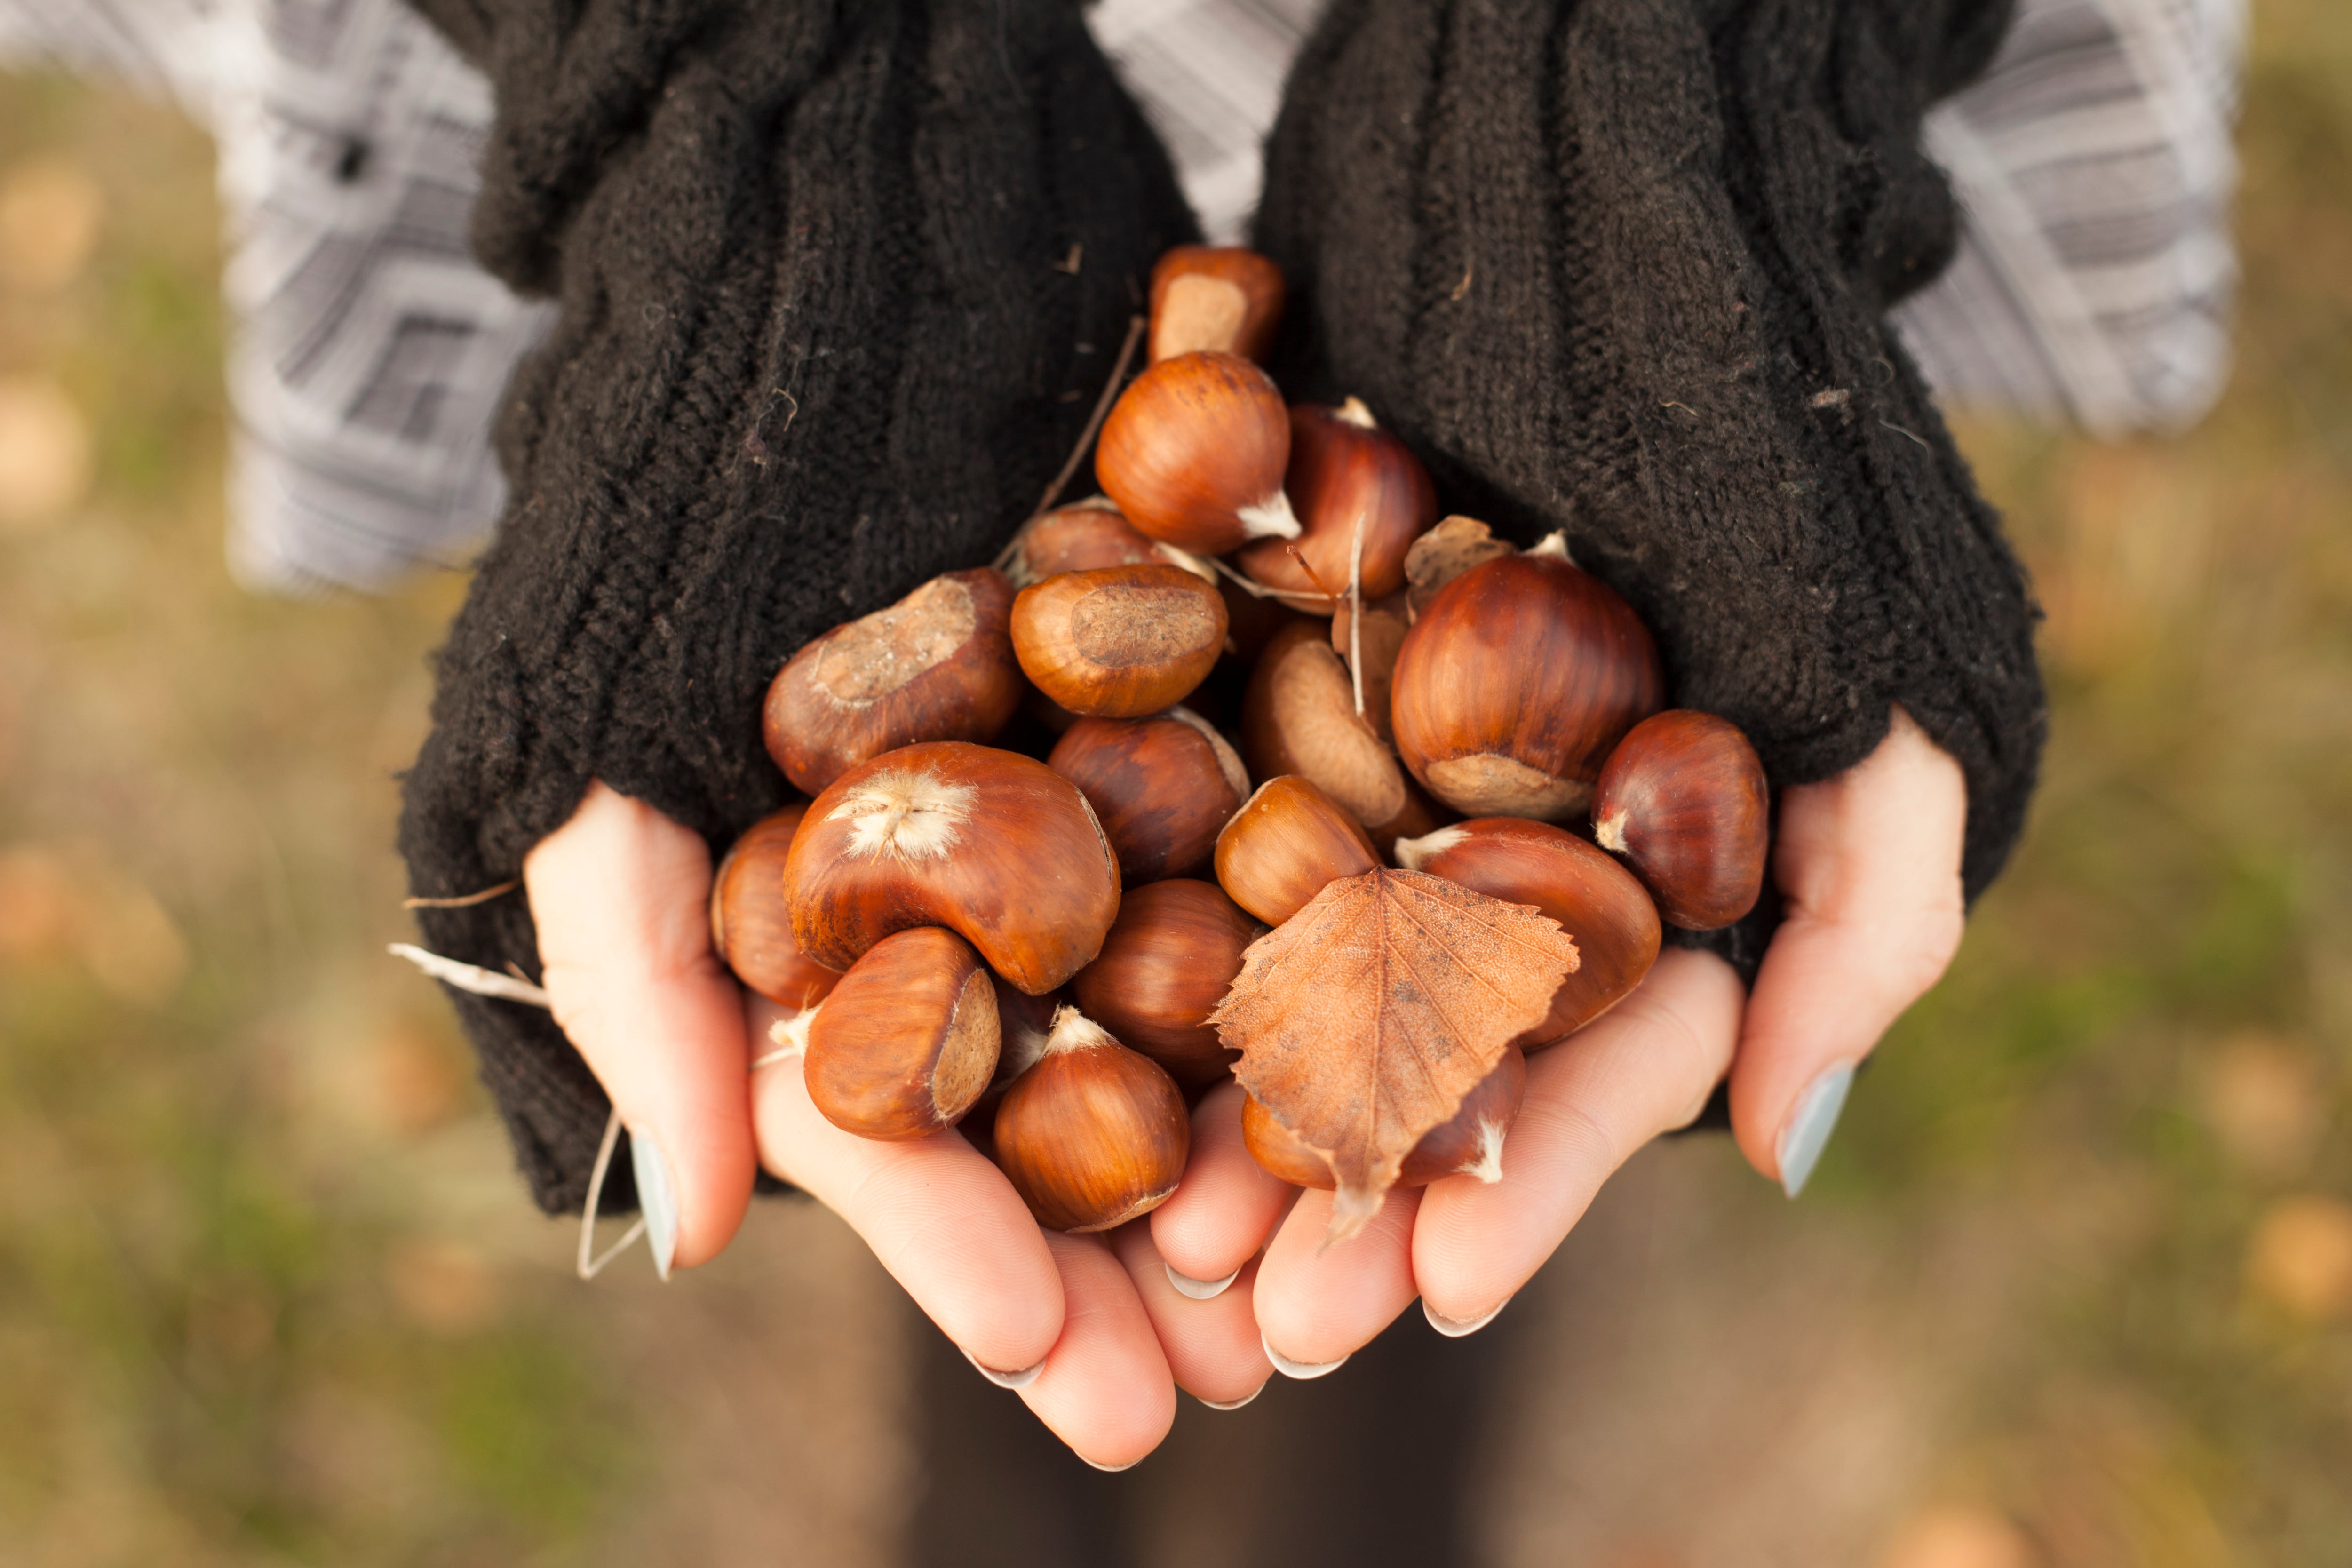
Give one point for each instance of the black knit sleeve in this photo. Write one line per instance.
(837, 284)
(1623, 266)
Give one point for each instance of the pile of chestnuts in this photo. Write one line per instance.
(1249, 767)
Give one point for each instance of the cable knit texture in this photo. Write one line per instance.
(1616, 266)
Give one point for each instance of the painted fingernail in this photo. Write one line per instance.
(1302, 1370)
(1235, 1403)
(1454, 1328)
(1113, 1469)
(1199, 1289)
(1022, 1379)
(1807, 1131)
(656, 1199)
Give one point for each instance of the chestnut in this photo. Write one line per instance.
(1161, 788)
(936, 666)
(1076, 538)
(908, 1040)
(1169, 956)
(1287, 843)
(1470, 1143)
(1094, 1134)
(750, 924)
(1683, 799)
(1345, 472)
(1298, 716)
(1118, 642)
(1214, 297)
(998, 847)
(1514, 682)
(1194, 452)
(1596, 900)
(1022, 1024)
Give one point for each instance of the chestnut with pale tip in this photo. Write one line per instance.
(1194, 453)
(907, 1041)
(751, 924)
(1287, 843)
(1299, 717)
(1167, 962)
(1682, 798)
(997, 848)
(1094, 1134)
(1595, 900)
(1468, 1144)
(1346, 475)
(936, 666)
(1516, 679)
(1218, 297)
(1161, 788)
(1118, 642)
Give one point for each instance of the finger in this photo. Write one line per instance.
(1106, 1390)
(1316, 1308)
(1212, 1346)
(621, 896)
(1225, 1206)
(1641, 1069)
(939, 1216)
(1870, 863)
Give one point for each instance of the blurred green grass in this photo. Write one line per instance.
(269, 1294)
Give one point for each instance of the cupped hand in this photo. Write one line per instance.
(1869, 865)
(1090, 1330)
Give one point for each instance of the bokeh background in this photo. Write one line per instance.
(2073, 1288)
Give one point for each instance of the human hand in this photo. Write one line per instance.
(1870, 865)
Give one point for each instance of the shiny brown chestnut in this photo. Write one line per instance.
(1171, 956)
(1298, 716)
(1094, 1134)
(936, 666)
(1161, 788)
(1214, 297)
(1194, 452)
(997, 848)
(1595, 901)
(1683, 799)
(751, 923)
(1079, 537)
(907, 1041)
(1118, 642)
(1468, 1144)
(1345, 472)
(1515, 681)
(1287, 843)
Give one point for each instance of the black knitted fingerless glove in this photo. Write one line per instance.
(839, 285)
(1622, 268)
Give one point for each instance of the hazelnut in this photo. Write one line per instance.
(908, 1040)
(1287, 843)
(1345, 472)
(1596, 900)
(1683, 799)
(1094, 1134)
(997, 848)
(1161, 788)
(1118, 642)
(1174, 948)
(750, 924)
(1214, 297)
(1514, 682)
(936, 666)
(1194, 450)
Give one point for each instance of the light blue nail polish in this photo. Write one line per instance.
(1022, 1379)
(1302, 1370)
(656, 1199)
(1809, 1127)
(1455, 1328)
(1199, 1289)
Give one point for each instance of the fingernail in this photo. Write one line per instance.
(1113, 1469)
(1302, 1370)
(656, 1199)
(1454, 1328)
(1199, 1289)
(1022, 1379)
(1235, 1403)
(1809, 1127)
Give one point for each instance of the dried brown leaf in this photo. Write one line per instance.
(1364, 1018)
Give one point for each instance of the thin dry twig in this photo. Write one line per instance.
(590, 1263)
(466, 903)
(1313, 576)
(469, 977)
(1356, 614)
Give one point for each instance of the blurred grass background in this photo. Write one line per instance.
(2075, 1286)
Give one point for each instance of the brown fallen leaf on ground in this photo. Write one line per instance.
(1364, 1018)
